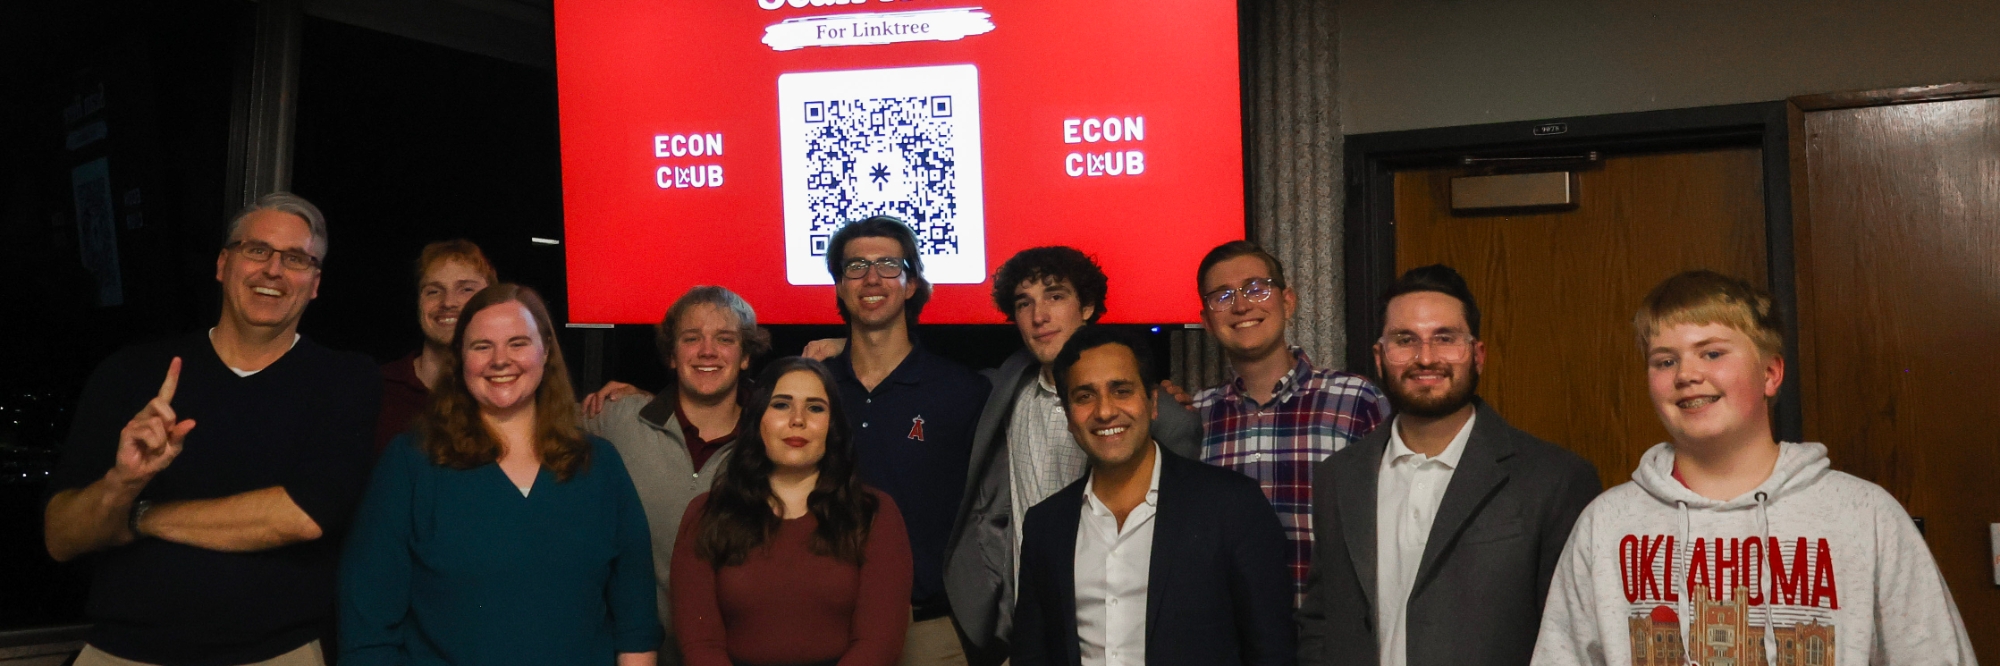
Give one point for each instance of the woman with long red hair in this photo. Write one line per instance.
(498, 532)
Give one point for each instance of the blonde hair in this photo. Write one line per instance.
(1703, 297)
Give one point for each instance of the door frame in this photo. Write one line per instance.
(1369, 234)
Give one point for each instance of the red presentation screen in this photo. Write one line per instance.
(723, 142)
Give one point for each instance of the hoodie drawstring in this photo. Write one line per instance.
(1680, 555)
(1680, 581)
(1764, 526)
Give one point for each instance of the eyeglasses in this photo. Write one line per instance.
(1254, 290)
(885, 268)
(1445, 347)
(261, 253)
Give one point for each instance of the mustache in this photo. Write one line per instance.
(1445, 369)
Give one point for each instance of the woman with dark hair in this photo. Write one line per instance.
(789, 560)
(498, 532)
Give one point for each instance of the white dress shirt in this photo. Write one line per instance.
(1111, 568)
(1409, 487)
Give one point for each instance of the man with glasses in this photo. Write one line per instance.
(912, 411)
(1436, 536)
(1281, 414)
(207, 477)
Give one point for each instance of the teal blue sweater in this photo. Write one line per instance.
(448, 566)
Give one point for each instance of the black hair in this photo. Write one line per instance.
(1234, 249)
(1438, 278)
(738, 516)
(1049, 264)
(1094, 336)
(880, 226)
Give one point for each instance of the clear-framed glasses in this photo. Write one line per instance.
(885, 268)
(1446, 347)
(1254, 290)
(261, 253)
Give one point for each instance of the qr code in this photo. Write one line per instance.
(883, 156)
(897, 142)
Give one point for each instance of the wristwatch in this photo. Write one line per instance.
(139, 510)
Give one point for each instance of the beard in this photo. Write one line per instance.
(1456, 397)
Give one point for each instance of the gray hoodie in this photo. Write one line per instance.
(1813, 568)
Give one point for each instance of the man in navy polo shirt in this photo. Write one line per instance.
(912, 411)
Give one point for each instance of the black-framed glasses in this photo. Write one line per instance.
(261, 253)
(1444, 346)
(885, 268)
(1254, 290)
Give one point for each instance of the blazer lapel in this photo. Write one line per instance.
(1356, 496)
(1171, 529)
(1062, 564)
(1478, 475)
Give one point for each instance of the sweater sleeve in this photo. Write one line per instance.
(1916, 621)
(375, 571)
(697, 611)
(329, 466)
(1569, 634)
(882, 608)
(635, 615)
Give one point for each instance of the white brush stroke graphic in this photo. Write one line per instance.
(874, 28)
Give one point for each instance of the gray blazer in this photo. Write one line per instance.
(979, 557)
(1485, 571)
(649, 438)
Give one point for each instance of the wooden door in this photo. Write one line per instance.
(1899, 297)
(1557, 290)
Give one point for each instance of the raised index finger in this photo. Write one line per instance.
(173, 379)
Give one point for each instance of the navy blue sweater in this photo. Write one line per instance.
(302, 423)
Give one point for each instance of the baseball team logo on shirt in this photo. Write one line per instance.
(917, 428)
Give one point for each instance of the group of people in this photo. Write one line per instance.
(246, 496)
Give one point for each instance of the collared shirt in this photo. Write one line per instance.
(1409, 488)
(913, 441)
(1042, 458)
(1112, 565)
(700, 449)
(1312, 413)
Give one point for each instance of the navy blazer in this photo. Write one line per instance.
(1218, 592)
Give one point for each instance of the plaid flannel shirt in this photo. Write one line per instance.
(1312, 413)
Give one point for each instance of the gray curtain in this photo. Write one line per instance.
(1293, 151)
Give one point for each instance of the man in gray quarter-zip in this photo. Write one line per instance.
(674, 444)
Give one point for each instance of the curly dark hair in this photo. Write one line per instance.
(738, 516)
(1049, 265)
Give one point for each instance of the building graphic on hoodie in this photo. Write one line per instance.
(1726, 634)
(1726, 581)
(1825, 566)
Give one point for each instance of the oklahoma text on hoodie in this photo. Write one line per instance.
(1813, 568)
